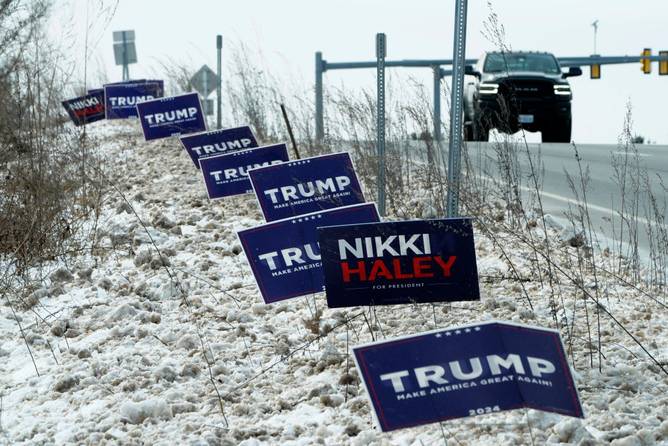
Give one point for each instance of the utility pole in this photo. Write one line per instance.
(456, 109)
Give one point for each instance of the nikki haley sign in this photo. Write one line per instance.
(399, 262)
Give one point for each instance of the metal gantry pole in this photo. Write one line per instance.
(437, 103)
(219, 87)
(456, 109)
(381, 52)
(319, 119)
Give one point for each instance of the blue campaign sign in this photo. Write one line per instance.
(284, 254)
(227, 175)
(400, 262)
(306, 185)
(86, 109)
(217, 142)
(121, 99)
(466, 371)
(172, 116)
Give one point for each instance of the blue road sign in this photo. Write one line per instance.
(306, 185)
(218, 142)
(122, 98)
(86, 109)
(284, 254)
(399, 262)
(172, 116)
(227, 175)
(466, 371)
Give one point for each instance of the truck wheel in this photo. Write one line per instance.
(468, 131)
(480, 130)
(558, 131)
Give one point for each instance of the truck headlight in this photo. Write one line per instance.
(488, 88)
(562, 90)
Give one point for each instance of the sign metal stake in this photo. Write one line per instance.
(292, 136)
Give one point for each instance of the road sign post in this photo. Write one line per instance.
(456, 109)
(381, 52)
(319, 120)
(437, 103)
(219, 83)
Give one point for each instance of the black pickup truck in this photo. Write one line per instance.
(512, 90)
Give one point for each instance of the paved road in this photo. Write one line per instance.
(603, 194)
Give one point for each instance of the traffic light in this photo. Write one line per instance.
(663, 64)
(646, 64)
(595, 71)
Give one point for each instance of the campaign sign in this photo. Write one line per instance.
(466, 371)
(121, 99)
(176, 115)
(399, 262)
(86, 109)
(227, 175)
(284, 254)
(306, 185)
(217, 142)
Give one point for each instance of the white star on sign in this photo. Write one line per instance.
(458, 331)
(438, 335)
(468, 330)
(447, 333)
(477, 329)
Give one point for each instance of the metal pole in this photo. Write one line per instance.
(319, 119)
(126, 70)
(380, 118)
(205, 81)
(437, 103)
(219, 87)
(456, 109)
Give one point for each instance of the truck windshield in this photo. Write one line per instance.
(541, 63)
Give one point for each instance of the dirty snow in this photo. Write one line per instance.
(142, 341)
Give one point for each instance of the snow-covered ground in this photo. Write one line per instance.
(132, 349)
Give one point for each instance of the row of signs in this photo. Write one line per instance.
(160, 117)
(321, 235)
(113, 101)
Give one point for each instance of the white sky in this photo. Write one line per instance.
(288, 32)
